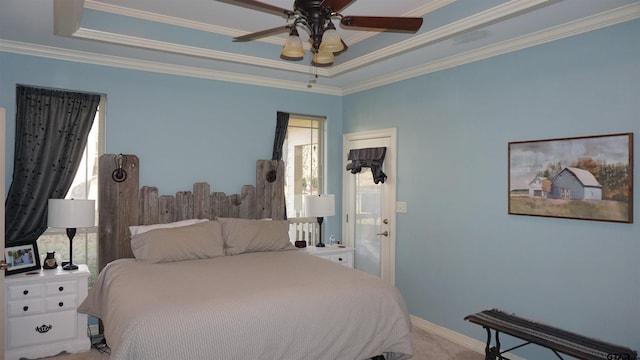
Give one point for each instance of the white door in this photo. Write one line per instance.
(369, 208)
(2, 146)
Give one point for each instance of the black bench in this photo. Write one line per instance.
(557, 340)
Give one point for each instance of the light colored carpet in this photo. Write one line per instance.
(426, 346)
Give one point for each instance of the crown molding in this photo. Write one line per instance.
(497, 13)
(473, 22)
(608, 18)
(165, 19)
(157, 67)
(594, 22)
(192, 51)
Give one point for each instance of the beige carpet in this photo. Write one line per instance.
(426, 346)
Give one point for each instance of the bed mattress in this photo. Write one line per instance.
(263, 305)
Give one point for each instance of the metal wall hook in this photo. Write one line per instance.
(272, 174)
(119, 174)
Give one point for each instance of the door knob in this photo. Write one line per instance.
(4, 265)
(385, 233)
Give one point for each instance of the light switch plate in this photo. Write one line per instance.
(401, 207)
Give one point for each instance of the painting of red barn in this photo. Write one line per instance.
(585, 178)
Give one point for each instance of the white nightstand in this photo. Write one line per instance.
(41, 313)
(340, 255)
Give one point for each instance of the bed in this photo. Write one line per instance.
(236, 288)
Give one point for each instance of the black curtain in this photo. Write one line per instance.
(282, 122)
(52, 127)
(372, 158)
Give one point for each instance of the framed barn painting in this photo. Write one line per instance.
(586, 178)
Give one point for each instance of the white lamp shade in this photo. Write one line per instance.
(320, 205)
(65, 213)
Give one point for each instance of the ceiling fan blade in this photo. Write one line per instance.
(261, 34)
(260, 6)
(403, 24)
(335, 5)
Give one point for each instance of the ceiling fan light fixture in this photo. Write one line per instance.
(323, 59)
(331, 41)
(292, 49)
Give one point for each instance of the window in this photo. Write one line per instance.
(303, 161)
(84, 186)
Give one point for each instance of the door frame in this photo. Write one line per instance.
(388, 254)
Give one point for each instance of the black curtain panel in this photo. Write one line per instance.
(368, 157)
(52, 127)
(282, 122)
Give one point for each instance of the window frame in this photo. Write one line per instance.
(321, 129)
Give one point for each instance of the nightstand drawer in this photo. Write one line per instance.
(25, 291)
(339, 255)
(62, 287)
(25, 307)
(61, 303)
(343, 259)
(41, 329)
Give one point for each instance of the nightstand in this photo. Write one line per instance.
(340, 255)
(41, 313)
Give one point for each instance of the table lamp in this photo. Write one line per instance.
(320, 206)
(71, 214)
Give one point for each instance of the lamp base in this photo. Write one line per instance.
(320, 244)
(70, 267)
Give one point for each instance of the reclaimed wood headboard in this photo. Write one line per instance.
(123, 203)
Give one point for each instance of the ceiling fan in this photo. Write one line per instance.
(315, 16)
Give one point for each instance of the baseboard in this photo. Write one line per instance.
(455, 337)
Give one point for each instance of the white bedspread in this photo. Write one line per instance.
(283, 305)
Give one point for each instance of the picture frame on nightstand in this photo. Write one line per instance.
(22, 258)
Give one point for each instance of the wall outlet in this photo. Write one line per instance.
(401, 207)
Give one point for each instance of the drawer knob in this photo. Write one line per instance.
(61, 288)
(25, 292)
(43, 328)
(61, 304)
(25, 308)
(339, 259)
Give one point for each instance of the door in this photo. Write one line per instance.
(2, 312)
(369, 208)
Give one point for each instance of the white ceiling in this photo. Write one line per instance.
(193, 37)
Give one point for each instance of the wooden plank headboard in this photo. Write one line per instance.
(124, 203)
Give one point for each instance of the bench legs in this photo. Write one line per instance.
(492, 352)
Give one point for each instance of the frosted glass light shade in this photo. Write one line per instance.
(65, 213)
(292, 49)
(331, 42)
(322, 58)
(320, 205)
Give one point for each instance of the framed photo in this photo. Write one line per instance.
(22, 258)
(586, 178)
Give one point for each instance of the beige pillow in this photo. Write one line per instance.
(139, 229)
(244, 235)
(197, 241)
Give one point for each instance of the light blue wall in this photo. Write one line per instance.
(458, 252)
(184, 130)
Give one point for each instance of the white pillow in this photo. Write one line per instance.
(139, 229)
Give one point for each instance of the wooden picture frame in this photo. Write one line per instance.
(585, 178)
(22, 258)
